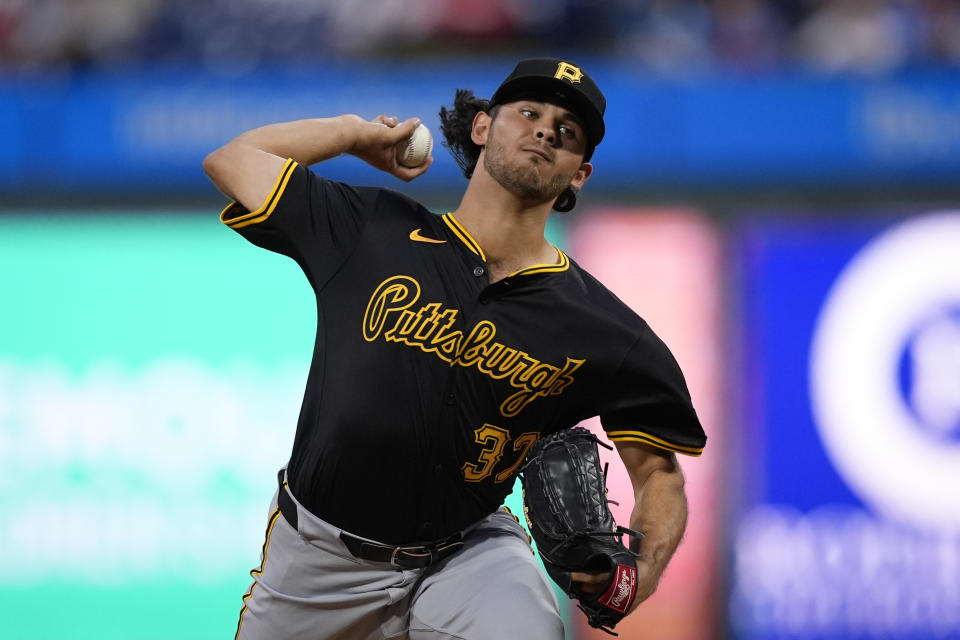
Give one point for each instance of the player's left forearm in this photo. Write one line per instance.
(660, 513)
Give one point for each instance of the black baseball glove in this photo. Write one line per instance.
(565, 503)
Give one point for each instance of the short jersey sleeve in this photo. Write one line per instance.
(316, 222)
(647, 401)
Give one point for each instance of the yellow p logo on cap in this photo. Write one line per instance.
(568, 72)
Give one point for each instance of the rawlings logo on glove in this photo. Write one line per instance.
(623, 588)
(565, 503)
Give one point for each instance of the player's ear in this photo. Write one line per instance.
(582, 175)
(481, 128)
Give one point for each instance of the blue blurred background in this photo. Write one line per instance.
(778, 194)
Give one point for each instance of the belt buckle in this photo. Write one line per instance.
(424, 552)
(425, 555)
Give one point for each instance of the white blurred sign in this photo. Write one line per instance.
(894, 437)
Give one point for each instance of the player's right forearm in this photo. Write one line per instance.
(246, 168)
(306, 141)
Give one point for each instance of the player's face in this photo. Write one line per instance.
(535, 150)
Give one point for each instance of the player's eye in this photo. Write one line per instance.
(568, 132)
(530, 114)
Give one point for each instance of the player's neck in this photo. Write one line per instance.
(510, 234)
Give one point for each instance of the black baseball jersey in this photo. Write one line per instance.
(428, 383)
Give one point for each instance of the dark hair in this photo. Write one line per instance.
(456, 125)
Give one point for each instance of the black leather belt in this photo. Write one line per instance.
(403, 556)
(407, 557)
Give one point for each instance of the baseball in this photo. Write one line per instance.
(415, 151)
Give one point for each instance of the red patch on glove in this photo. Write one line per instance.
(623, 589)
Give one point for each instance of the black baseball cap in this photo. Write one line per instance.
(555, 80)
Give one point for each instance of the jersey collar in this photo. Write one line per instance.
(474, 247)
(463, 235)
(563, 265)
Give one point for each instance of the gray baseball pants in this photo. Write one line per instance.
(310, 587)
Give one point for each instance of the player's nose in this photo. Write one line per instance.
(546, 133)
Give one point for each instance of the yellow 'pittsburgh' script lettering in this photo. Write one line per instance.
(391, 314)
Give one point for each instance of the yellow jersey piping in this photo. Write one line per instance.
(563, 265)
(462, 234)
(639, 436)
(264, 212)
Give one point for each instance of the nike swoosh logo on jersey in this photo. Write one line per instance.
(416, 237)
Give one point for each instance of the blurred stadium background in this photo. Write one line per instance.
(778, 194)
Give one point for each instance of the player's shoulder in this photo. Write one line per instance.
(623, 325)
(593, 292)
(400, 202)
(383, 199)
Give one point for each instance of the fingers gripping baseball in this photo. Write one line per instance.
(376, 143)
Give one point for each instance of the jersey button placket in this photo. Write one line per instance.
(478, 271)
(494, 290)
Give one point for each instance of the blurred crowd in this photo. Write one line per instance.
(665, 36)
